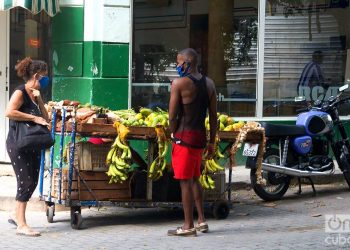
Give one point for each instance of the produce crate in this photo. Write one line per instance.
(96, 181)
(218, 192)
(91, 157)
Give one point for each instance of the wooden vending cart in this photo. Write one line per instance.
(85, 183)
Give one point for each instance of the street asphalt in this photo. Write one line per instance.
(295, 222)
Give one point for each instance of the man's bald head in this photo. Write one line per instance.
(191, 56)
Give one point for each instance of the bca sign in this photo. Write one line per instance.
(317, 93)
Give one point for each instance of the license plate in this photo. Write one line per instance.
(250, 149)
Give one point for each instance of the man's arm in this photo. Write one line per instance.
(175, 97)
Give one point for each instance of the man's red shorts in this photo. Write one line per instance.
(187, 160)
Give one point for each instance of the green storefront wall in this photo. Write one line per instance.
(87, 71)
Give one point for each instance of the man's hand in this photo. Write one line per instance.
(210, 151)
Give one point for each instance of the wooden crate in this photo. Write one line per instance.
(91, 157)
(96, 181)
(218, 192)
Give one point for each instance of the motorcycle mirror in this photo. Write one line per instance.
(344, 87)
(299, 98)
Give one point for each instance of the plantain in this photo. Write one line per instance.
(165, 150)
(109, 156)
(120, 144)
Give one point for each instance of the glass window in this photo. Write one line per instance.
(29, 36)
(223, 32)
(306, 52)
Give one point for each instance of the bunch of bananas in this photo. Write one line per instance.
(211, 167)
(159, 164)
(119, 156)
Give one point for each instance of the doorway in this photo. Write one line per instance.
(3, 83)
(199, 40)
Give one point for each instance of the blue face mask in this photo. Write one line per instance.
(183, 73)
(44, 82)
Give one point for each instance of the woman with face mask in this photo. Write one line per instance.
(26, 104)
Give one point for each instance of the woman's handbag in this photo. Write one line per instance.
(30, 135)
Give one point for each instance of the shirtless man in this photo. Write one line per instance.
(191, 96)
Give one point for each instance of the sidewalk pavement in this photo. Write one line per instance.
(240, 180)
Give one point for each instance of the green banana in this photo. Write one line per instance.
(120, 144)
(165, 150)
(109, 156)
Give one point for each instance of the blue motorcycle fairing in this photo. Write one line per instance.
(302, 145)
(315, 122)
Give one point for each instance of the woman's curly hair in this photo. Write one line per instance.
(28, 67)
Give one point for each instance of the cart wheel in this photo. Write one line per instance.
(50, 213)
(221, 209)
(75, 218)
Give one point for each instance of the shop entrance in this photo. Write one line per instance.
(3, 84)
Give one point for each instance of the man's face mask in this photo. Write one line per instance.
(44, 82)
(181, 71)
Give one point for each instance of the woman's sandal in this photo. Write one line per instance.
(12, 221)
(28, 232)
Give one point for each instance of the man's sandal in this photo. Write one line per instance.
(182, 232)
(202, 227)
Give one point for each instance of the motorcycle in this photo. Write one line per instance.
(302, 150)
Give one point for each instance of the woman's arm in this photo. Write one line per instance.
(43, 110)
(13, 113)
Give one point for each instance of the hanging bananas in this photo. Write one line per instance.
(211, 167)
(159, 164)
(119, 156)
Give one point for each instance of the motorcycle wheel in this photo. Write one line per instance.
(270, 192)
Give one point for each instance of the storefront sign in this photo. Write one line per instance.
(317, 93)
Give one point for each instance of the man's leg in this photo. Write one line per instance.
(187, 202)
(198, 199)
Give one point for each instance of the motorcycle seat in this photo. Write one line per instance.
(272, 130)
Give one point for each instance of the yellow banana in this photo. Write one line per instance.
(219, 154)
(211, 182)
(208, 167)
(215, 165)
(205, 184)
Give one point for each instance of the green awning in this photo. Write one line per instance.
(35, 6)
